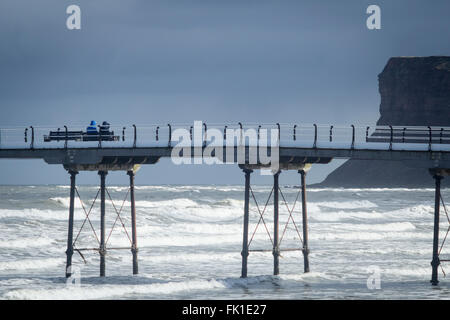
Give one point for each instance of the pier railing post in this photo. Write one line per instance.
(134, 249)
(435, 261)
(276, 249)
(102, 250)
(305, 249)
(244, 252)
(69, 251)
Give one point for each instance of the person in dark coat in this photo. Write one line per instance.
(104, 128)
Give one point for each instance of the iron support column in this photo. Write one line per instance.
(69, 251)
(134, 248)
(305, 249)
(276, 249)
(435, 262)
(244, 252)
(102, 250)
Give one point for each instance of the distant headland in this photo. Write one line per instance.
(415, 91)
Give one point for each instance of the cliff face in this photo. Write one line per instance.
(415, 91)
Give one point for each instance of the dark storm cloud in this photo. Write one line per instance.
(154, 61)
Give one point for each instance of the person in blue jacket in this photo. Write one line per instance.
(92, 128)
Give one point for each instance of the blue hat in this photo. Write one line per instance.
(93, 123)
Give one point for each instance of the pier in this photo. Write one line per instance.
(249, 146)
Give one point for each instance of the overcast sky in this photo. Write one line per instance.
(216, 61)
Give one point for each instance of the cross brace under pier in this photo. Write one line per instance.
(102, 242)
(276, 191)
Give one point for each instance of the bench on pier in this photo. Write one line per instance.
(80, 136)
(410, 135)
(63, 135)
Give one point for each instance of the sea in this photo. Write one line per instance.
(364, 244)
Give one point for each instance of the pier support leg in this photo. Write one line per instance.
(134, 249)
(435, 261)
(276, 249)
(102, 250)
(69, 251)
(305, 248)
(244, 252)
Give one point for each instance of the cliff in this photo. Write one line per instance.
(415, 91)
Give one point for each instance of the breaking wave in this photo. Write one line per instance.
(31, 264)
(99, 291)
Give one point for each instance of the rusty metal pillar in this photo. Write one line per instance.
(244, 252)
(305, 248)
(102, 250)
(69, 251)
(435, 261)
(276, 249)
(134, 249)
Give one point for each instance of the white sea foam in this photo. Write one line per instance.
(310, 277)
(345, 215)
(349, 236)
(65, 202)
(176, 240)
(200, 213)
(246, 282)
(415, 211)
(99, 291)
(191, 257)
(39, 214)
(178, 203)
(176, 188)
(347, 204)
(409, 271)
(388, 250)
(31, 264)
(383, 227)
(190, 228)
(26, 242)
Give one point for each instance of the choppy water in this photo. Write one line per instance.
(190, 238)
